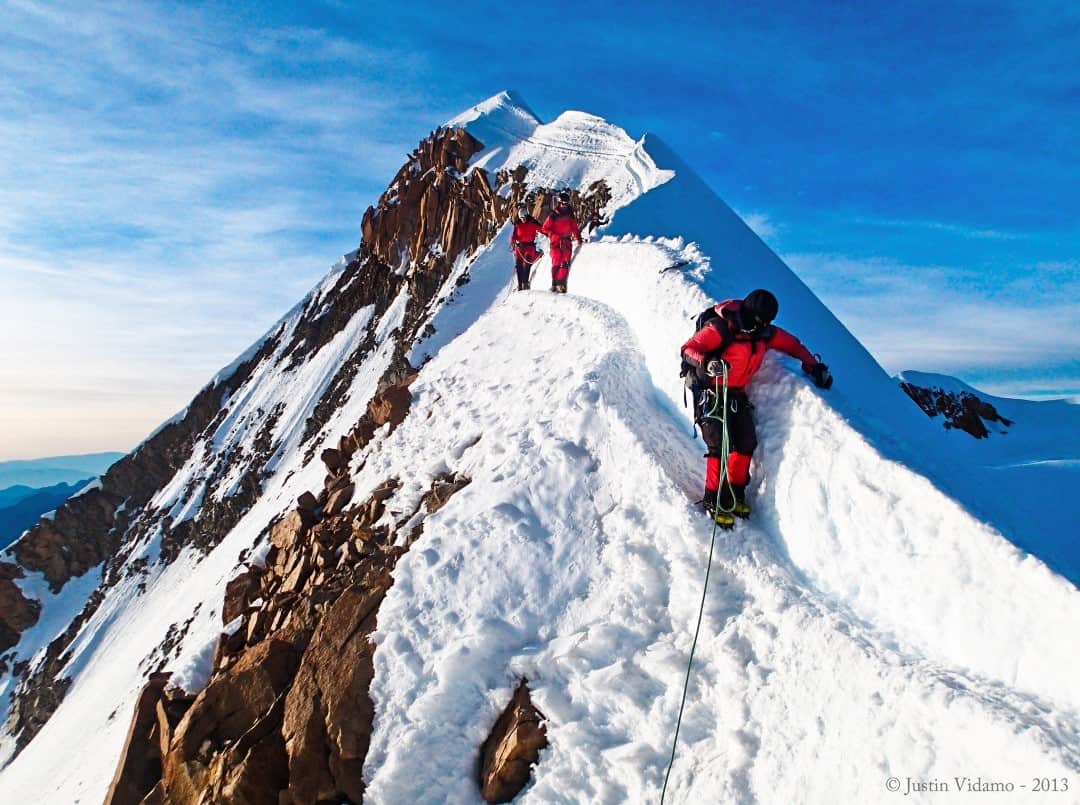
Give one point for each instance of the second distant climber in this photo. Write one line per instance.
(561, 227)
(523, 245)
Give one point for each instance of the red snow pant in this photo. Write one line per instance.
(561, 252)
(742, 441)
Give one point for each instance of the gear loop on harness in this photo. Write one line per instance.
(714, 405)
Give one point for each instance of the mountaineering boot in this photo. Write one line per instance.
(733, 498)
(740, 509)
(561, 288)
(722, 518)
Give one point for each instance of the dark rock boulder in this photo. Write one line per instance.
(239, 592)
(512, 748)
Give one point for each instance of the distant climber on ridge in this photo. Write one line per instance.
(719, 360)
(523, 245)
(561, 227)
(596, 220)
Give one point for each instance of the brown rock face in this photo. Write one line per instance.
(228, 746)
(17, 613)
(239, 592)
(391, 405)
(307, 502)
(78, 538)
(332, 458)
(328, 713)
(443, 488)
(339, 499)
(140, 760)
(512, 749)
(292, 527)
(962, 410)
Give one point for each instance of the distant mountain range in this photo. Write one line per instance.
(31, 487)
(21, 506)
(38, 473)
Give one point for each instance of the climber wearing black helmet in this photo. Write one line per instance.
(729, 346)
(561, 227)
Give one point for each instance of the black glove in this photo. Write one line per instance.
(821, 375)
(714, 368)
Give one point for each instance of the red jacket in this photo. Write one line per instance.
(525, 231)
(743, 353)
(561, 227)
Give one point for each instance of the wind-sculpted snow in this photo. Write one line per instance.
(575, 559)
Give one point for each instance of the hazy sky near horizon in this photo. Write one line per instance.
(175, 176)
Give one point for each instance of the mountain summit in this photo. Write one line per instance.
(428, 533)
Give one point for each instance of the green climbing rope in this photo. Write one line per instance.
(721, 402)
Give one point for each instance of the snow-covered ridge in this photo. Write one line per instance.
(862, 624)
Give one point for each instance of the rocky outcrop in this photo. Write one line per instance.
(140, 760)
(512, 748)
(434, 211)
(961, 410)
(286, 716)
(80, 536)
(17, 613)
(444, 487)
(328, 712)
(229, 740)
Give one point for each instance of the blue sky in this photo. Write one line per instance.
(173, 177)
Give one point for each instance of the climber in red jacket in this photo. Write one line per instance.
(523, 245)
(561, 227)
(723, 356)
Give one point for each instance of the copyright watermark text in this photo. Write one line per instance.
(976, 785)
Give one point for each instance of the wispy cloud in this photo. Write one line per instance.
(938, 226)
(164, 198)
(764, 227)
(941, 318)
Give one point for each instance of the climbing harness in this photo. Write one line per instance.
(718, 396)
(721, 404)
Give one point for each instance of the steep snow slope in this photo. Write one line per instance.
(580, 523)
(861, 625)
(119, 644)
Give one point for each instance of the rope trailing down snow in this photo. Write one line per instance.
(720, 398)
(689, 665)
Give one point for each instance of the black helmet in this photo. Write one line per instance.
(758, 309)
(562, 199)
